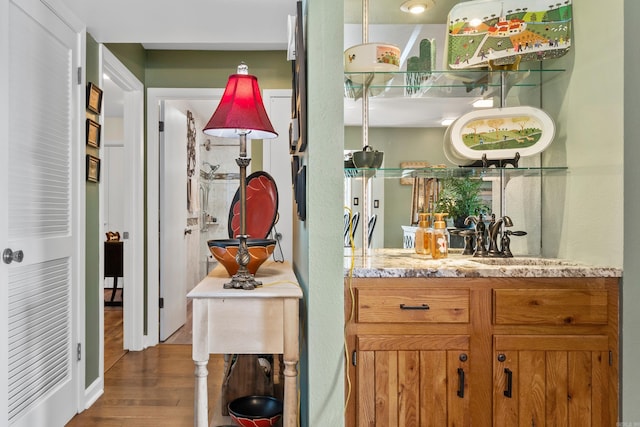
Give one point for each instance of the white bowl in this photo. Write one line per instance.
(372, 58)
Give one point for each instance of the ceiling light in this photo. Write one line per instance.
(483, 103)
(446, 122)
(416, 6)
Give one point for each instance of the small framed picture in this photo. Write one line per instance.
(93, 168)
(94, 98)
(93, 133)
(295, 165)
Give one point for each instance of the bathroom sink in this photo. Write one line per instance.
(527, 261)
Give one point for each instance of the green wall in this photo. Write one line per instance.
(631, 286)
(132, 56)
(93, 284)
(585, 205)
(318, 243)
(211, 69)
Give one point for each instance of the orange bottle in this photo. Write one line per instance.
(439, 237)
(423, 235)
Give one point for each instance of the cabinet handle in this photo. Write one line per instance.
(460, 392)
(508, 391)
(414, 307)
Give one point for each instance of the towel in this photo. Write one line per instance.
(192, 195)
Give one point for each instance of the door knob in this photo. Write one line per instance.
(187, 231)
(8, 256)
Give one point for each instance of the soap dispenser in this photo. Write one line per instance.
(423, 235)
(440, 237)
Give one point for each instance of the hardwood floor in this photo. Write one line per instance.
(150, 388)
(113, 336)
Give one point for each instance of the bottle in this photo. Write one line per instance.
(423, 235)
(439, 237)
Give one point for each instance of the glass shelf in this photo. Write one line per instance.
(448, 83)
(450, 172)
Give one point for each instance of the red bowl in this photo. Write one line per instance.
(255, 411)
(224, 250)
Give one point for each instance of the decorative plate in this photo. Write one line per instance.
(450, 153)
(500, 133)
(261, 209)
(501, 30)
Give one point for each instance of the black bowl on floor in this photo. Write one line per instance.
(247, 410)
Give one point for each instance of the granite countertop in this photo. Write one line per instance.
(406, 263)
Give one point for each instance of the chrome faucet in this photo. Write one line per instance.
(494, 229)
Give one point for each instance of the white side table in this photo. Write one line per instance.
(236, 321)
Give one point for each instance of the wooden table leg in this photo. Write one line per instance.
(200, 356)
(290, 357)
(201, 407)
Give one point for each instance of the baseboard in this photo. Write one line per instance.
(93, 392)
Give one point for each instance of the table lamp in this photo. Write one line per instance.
(241, 114)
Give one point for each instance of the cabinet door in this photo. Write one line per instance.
(409, 381)
(549, 381)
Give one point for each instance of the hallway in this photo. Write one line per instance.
(150, 388)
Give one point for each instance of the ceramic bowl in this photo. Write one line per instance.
(367, 158)
(372, 57)
(224, 250)
(255, 411)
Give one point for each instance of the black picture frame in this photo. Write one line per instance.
(295, 165)
(93, 133)
(93, 168)
(94, 98)
(300, 193)
(299, 104)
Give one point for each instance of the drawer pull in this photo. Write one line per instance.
(460, 392)
(414, 307)
(508, 391)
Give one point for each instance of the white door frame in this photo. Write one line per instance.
(133, 308)
(154, 96)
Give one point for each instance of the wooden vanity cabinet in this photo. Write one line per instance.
(482, 352)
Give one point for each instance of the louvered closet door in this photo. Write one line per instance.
(41, 214)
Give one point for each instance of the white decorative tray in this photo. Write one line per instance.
(499, 133)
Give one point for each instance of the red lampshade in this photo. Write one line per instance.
(241, 111)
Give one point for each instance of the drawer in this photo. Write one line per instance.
(397, 305)
(550, 306)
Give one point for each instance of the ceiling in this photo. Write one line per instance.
(222, 24)
(262, 25)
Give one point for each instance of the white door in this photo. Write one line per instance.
(40, 216)
(277, 162)
(173, 219)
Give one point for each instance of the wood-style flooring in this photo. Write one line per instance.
(150, 388)
(113, 336)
